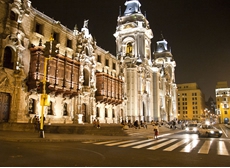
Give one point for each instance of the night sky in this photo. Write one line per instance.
(197, 31)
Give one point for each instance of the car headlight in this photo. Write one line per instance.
(212, 132)
(194, 129)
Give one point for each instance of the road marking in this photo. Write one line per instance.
(190, 146)
(221, 149)
(162, 144)
(176, 145)
(147, 144)
(104, 142)
(205, 147)
(135, 143)
(118, 143)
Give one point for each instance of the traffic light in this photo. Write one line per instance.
(47, 49)
(40, 87)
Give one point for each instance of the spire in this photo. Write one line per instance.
(162, 44)
(132, 6)
(119, 10)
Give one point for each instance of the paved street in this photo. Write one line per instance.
(173, 148)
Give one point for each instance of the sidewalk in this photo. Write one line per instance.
(18, 136)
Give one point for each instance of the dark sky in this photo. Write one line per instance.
(198, 32)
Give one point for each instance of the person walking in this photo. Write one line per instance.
(156, 131)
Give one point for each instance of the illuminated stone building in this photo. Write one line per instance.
(149, 84)
(85, 81)
(191, 102)
(223, 101)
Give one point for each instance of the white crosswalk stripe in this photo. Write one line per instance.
(221, 149)
(190, 146)
(205, 147)
(162, 144)
(176, 145)
(118, 143)
(187, 145)
(148, 144)
(135, 143)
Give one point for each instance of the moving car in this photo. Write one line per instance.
(192, 128)
(209, 131)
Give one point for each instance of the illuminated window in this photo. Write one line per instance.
(129, 49)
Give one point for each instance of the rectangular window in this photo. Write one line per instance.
(114, 66)
(225, 112)
(56, 36)
(69, 43)
(98, 58)
(106, 62)
(39, 28)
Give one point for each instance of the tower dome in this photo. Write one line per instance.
(132, 6)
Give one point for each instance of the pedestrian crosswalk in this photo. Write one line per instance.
(166, 144)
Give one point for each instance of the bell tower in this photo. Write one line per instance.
(133, 35)
(133, 50)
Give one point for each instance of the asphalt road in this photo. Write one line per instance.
(176, 150)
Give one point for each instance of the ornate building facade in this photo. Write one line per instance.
(85, 81)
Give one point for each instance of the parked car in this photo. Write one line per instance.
(209, 131)
(192, 128)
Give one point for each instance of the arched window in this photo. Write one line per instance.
(13, 16)
(8, 60)
(129, 49)
(86, 77)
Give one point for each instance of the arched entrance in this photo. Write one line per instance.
(83, 110)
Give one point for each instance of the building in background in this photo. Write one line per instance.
(222, 101)
(85, 82)
(191, 102)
